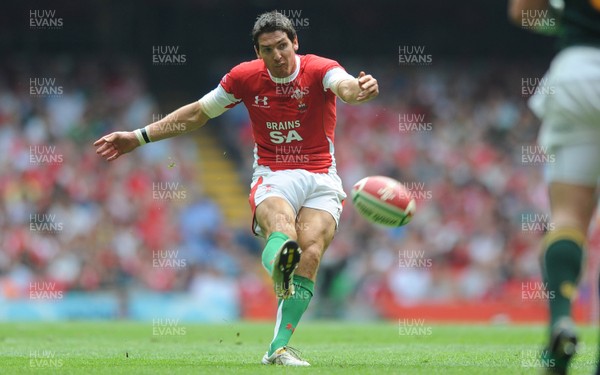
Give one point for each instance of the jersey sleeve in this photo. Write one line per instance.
(333, 77)
(217, 102)
(222, 98)
(331, 73)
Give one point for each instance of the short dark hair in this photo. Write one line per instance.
(272, 21)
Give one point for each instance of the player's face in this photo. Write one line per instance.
(278, 52)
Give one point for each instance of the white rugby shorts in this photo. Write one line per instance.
(567, 101)
(300, 188)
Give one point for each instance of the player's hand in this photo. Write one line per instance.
(369, 88)
(116, 144)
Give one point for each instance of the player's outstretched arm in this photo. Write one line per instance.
(187, 118)
(358, 90)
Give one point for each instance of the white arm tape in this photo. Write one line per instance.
(138, 134)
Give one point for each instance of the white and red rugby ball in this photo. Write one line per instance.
(383, 200)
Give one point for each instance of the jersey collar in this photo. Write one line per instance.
(289, 78)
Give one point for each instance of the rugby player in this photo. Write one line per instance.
(568, 104)
(296, 195)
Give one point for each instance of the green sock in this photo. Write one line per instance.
(598, 354)
(561, 269)
(274, 242)
(289, 312)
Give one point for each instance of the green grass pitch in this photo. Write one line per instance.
(236, 348)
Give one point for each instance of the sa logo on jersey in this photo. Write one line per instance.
(278, 137)
(288, 135)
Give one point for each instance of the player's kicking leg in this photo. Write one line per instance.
(281, 256)
(315, 231)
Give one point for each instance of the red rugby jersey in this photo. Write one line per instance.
(293, 120)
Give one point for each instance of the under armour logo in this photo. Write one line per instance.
(264, 99)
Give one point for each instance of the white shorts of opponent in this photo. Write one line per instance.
(568, 103)
(299, 188)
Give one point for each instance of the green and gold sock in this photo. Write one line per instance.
(561, 269)
(289, 312)
(274, 242)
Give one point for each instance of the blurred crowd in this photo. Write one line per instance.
(455, 134)
(72, 221)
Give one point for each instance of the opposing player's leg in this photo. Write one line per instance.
(572, 207)
(571, 131)
(315, 229)
(281, 254)
(598, 345)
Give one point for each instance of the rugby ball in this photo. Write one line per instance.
(383, 200)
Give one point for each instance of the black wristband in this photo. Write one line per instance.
(145, 135)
